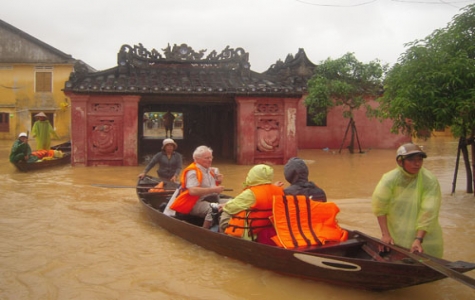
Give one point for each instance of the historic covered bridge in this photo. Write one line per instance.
(119, 115)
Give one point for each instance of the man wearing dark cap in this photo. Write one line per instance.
(407, 201)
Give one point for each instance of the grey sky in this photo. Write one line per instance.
(94, 31)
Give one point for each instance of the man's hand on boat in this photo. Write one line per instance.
(388, 240)
(417, 246)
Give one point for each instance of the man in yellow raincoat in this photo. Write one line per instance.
(42, 131)
(407, 201)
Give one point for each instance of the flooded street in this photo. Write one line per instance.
(62, 237)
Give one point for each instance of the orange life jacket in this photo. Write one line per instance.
(43, 153)
(251, 221)
(184, 202)
(158, 188)
(300, 221)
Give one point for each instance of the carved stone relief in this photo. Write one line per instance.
(268, 135)
(104, 138)
(106, 107)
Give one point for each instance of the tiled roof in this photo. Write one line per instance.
(181, 70)
(15, 50)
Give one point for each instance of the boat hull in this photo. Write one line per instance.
(45, 164)
(355, 263)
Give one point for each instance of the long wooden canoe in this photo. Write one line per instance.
(44, 164)
(355, 263)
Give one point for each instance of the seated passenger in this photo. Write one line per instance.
(198, 185)
(248, 213)
(301, 222)
(21, 150)
(169, 162)
(296, 173)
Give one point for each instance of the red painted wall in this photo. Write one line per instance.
(371, 132)
(278, 116)
(104, 130)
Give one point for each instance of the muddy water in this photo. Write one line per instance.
(64, 238)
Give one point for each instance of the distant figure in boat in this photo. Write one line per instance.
(42, 132)
(168, 120)
(21, 150)
(248, 213)
(199, 187)
(296, 173)
(407, 201)
(169, 162)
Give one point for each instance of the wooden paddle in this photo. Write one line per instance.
(429, 262)
(123, 186)
(434, 265)
(136, 187)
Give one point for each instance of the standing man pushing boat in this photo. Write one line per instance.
(407, 201)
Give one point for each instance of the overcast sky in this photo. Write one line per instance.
(269, 30)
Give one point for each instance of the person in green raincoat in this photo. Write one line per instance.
(21, 150)
(42, 132)
(407, 201)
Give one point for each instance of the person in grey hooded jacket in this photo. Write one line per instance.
(296, 173)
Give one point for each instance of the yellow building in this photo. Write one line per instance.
(32, 76)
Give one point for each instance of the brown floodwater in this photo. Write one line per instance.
(62, 237)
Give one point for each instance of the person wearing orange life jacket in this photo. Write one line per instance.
(296, 173)
(302, 222)
(198, 183)
(248, 213)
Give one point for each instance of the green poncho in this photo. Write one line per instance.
(20, 150)
(411, 202)
(42, 131)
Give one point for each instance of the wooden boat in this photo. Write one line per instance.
(44, 164)
(355, 263)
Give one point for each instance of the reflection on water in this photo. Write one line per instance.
(64, 238)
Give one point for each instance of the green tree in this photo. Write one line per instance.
(344, 82)
(432, 85)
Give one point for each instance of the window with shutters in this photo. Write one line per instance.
(43, 80)
(4, 122)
